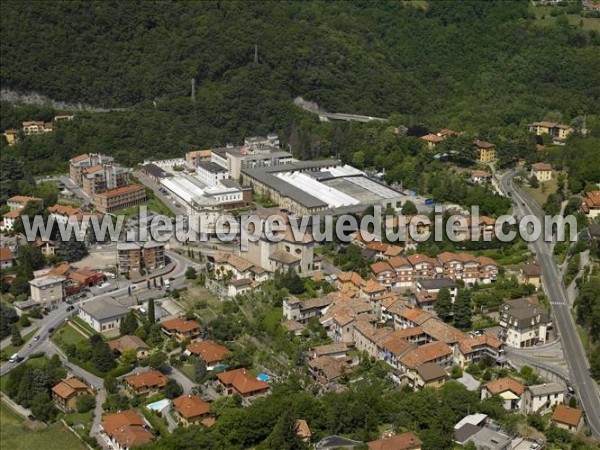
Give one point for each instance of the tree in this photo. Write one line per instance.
(155, 360)
(43, 408)
(8, 316)
(71, 250)
(129, 324)
(443, 304)
(103, 358)
(16, 339)
(85, 403)
(173, 389)
(409, 208)
(151, 312)
(285, 434)
(533, 182)
(199, 370)
(462, 309)
(190, 273)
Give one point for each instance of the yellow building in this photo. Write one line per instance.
(11, 136)
(542, 171)
(487, 151)
(558, 131)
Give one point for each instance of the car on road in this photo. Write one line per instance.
(171, 278)
(37, 338)
(13, 358)
(70, 308)
(50, 330)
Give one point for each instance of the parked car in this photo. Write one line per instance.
(50, 330)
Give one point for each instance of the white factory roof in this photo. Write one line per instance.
(344, 171)
(182, 188)
(333, 197)
(473, 419)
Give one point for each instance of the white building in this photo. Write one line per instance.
(211, 173)
(48, 291)
(542, 398)
(103, 315)
(524, 322)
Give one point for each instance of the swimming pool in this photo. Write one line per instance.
(159, 405)
(264, 377)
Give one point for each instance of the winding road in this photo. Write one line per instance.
(579, 374)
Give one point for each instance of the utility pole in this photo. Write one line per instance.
(194, 90)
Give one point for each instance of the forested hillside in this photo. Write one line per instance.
(456, 62)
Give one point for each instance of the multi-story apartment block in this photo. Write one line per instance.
(135, 257)
(558, 131)
(524, 322)
(48, 291)
(486, 152)
(79, 164)
(103, 177)
(120, 198)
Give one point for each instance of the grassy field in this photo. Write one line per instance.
(80, 422)
(83, 326)
(67, 335)
(11, 349)
(154, 204)
(16, 436)
(543, 191)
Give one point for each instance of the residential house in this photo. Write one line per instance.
(130, 343)
(346, 281)
(78, 165)
(542, 398)
(432, 140)
(590, 204)
(294, 327)
(302, 310)
(480, 176)
(489, 439)
(145, 383)
(510, 390)
(119, 198)
(11, 135)
(405, 274)
(242, 382)
(103, 315)
(103, 177)
(473, 349)
(433, 352)
(327, 369)
(435, 285)
(46, 246)
(211, 352)
(65, 393)
(558, 131)
(424, 266)
(18, 202)
(524, 322)
(9, 219)
(429, 375)
(7, 259)
(336, 350)
(542, 171)
(568, 418)
(36, 127)
(486, 152)
(404, 441)
(181, 329)
(126, 429)
(48, 291)
(531, 273)
(303, 431)
(368, 339)
(191, 410)
(383, 273)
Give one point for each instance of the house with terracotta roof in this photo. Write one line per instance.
(126, 429)
(211, 352)
(411, 317)
(46, 246)
(404, 441)
(434, 352)
(335, 350)
(432, 140)
(181, 329)
(510, 391)
(473, 349)
(383, 273)
(36, 127)
(428, 375)
(7, 259)
(301, 310)
(303, 431)
(242, 382)
(145, 383)
(294, 327)
(542, 171)
(349, 280)
(480, 176)
(191, 410)
(486, 152)
(9, 219)
(568, 418)
(405, 273)
(18, 202)
(128, 343)
(65, 393)
(590, 204)
(11, 135)
(558, 131)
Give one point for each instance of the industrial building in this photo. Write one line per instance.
(311, 187)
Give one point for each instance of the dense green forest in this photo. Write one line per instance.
(485, 68)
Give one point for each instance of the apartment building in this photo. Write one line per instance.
(103, 177)
(134, 257)
(542, 398)
(48, 291)
(36, 127)
(524, 322)
(79, 164)
(558, 131)
(542, 171)
(120, 198)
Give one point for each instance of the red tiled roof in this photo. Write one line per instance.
(544, 167)
(210, 351)
(404, 441)
(433, 138)
(505, 384)
(425, 353)
(127, 428)
(121, 190)
(242, 381)
(190, 406)
(68, 387)
(6, 254)
(78, 158)
(153, 378)
(483, 144)
(180, 325)
(567, 415)
(380, 267)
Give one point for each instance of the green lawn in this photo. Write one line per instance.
(154, 204)
(574, 19)
(83, 326)
(67, 335)
(543, 191)
(188, 370)
(75, 420)
(14, 434)
(12, 349)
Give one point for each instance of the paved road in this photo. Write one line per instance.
(579, 375)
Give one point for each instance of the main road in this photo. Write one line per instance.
(579, 374)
